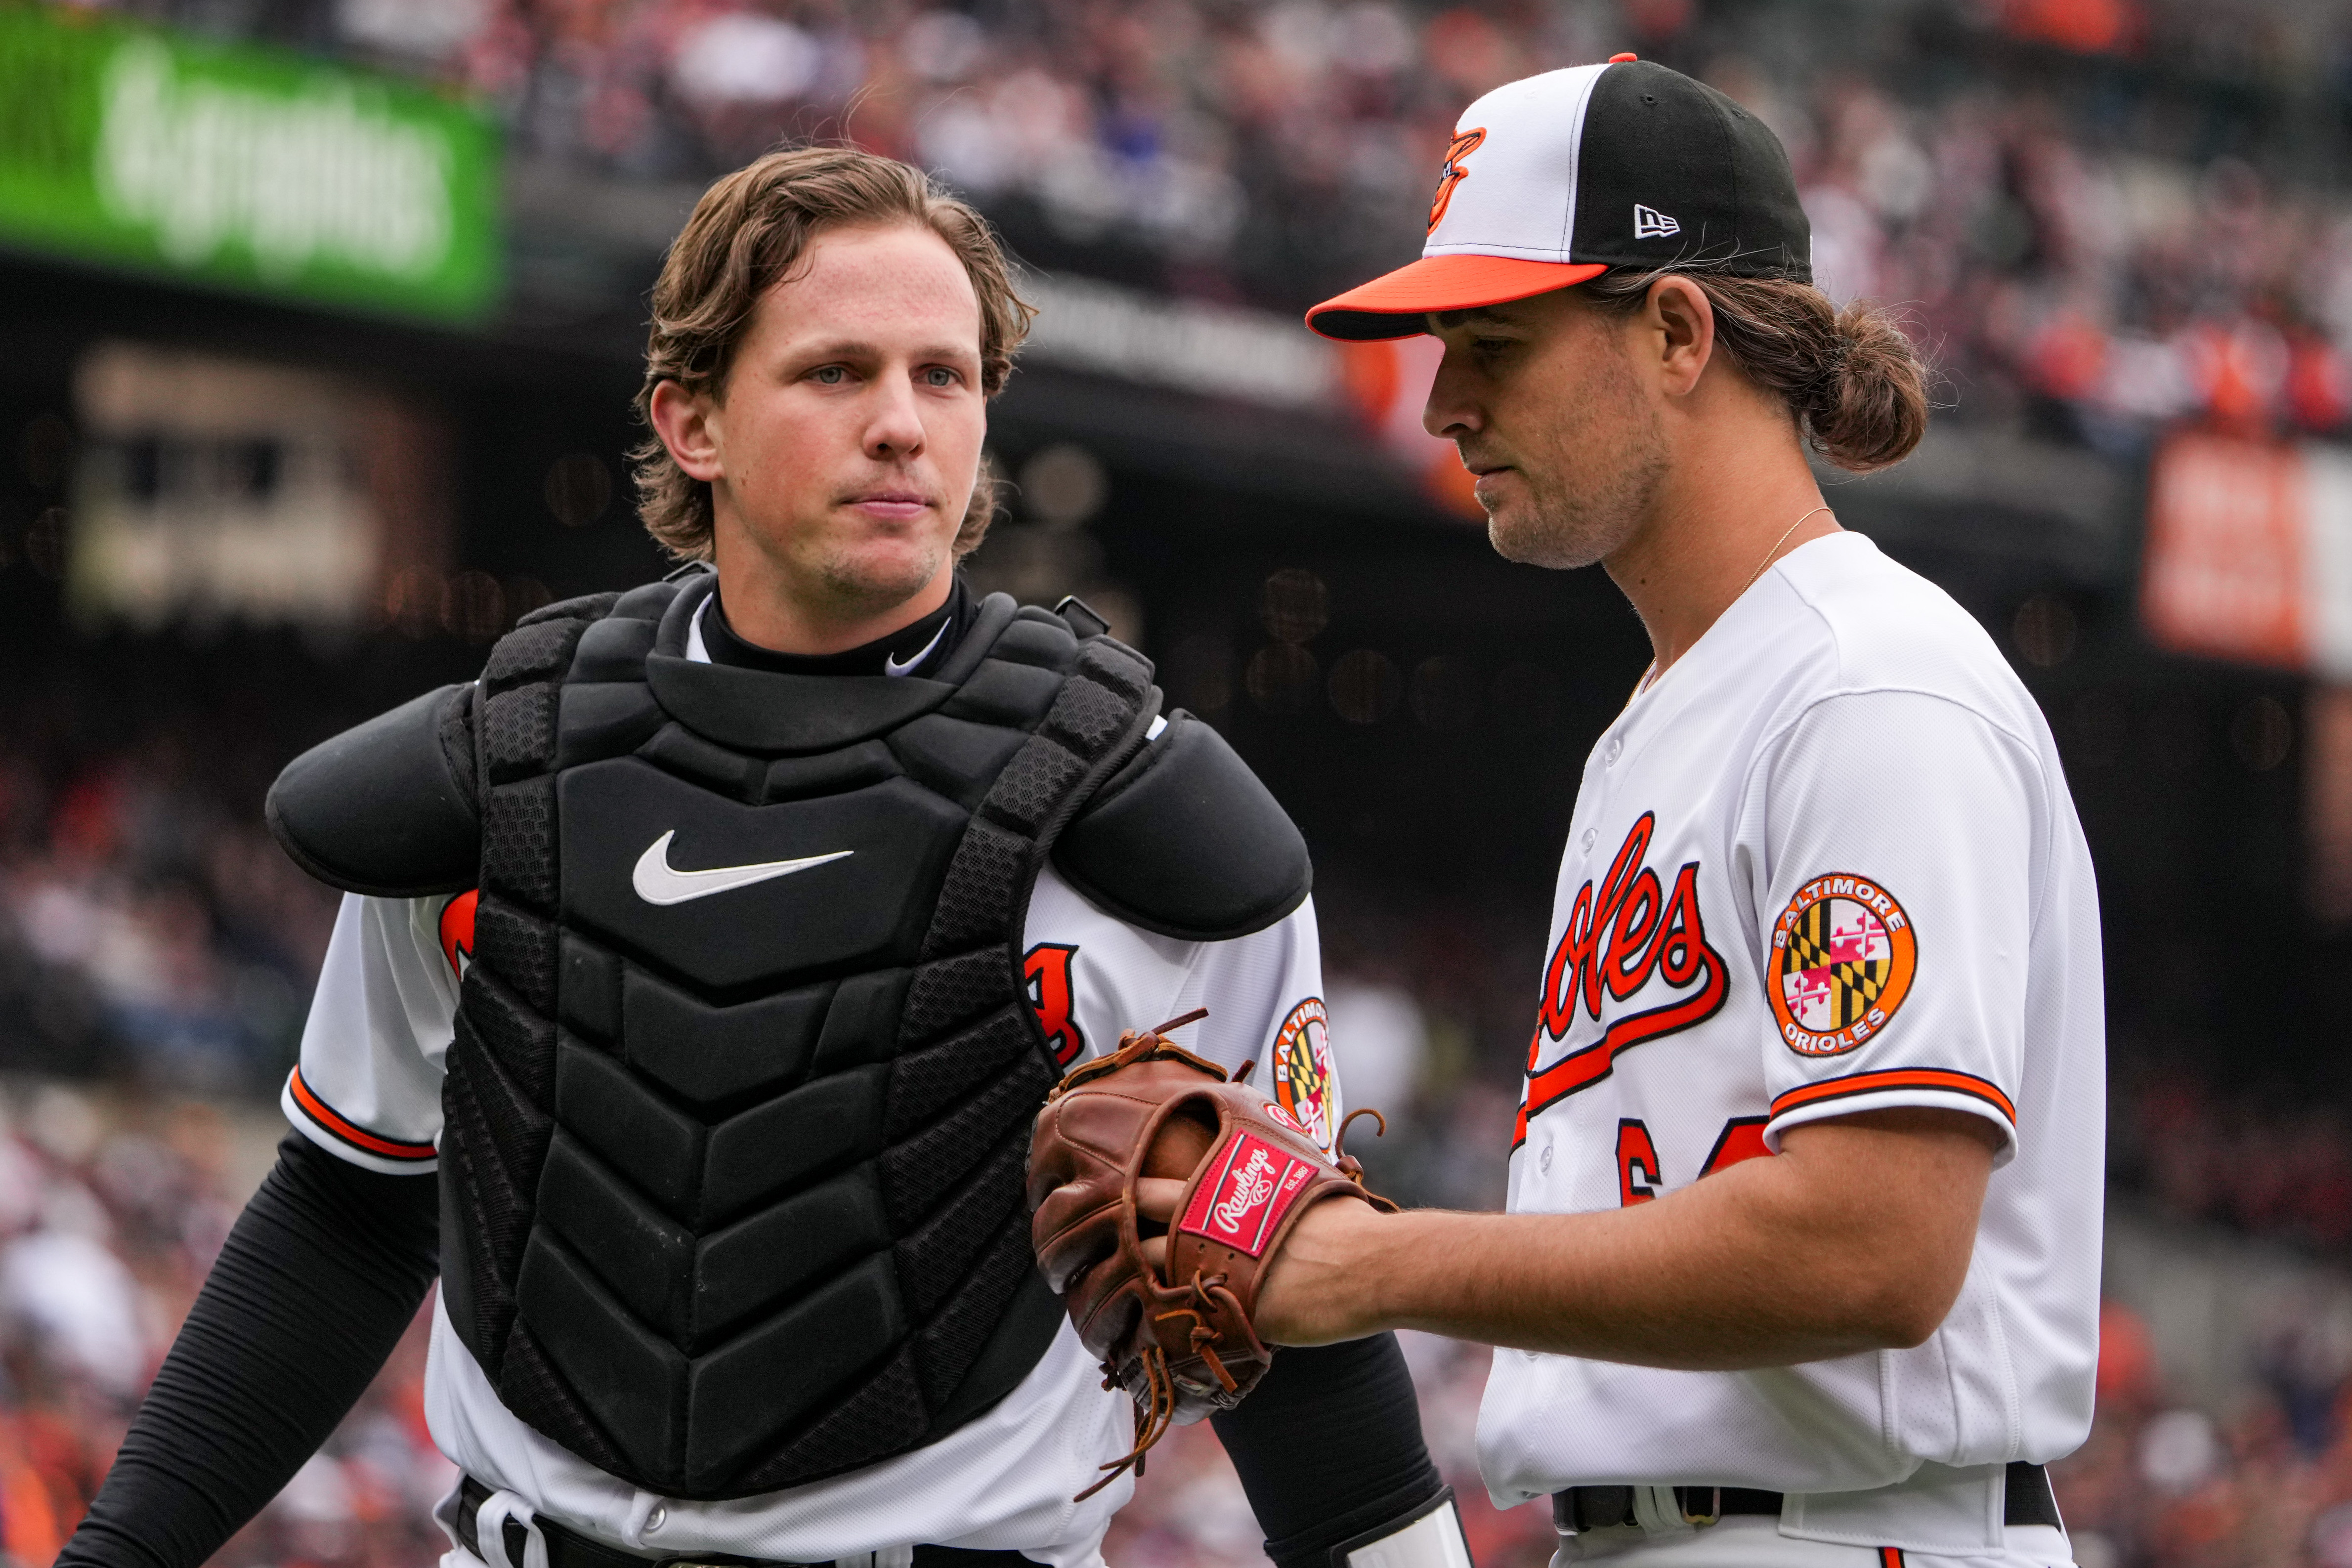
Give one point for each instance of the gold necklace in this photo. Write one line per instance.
(1768, 554)
(1650, 675)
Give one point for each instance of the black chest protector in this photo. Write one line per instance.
(738, 1105)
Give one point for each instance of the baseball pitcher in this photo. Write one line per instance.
(1802, 1258)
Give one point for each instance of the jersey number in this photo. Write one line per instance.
(1638, 1177)
(1637, 1164)
(1047, 968)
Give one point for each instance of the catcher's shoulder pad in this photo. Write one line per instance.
(387, 808)
(1185, 841)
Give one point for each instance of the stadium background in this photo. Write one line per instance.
(296, 414)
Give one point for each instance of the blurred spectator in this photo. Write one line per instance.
(1387, 1047)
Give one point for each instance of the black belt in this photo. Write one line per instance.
(570, 1549)
(1579, 1508)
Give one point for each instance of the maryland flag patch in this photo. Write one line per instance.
(1844, 952)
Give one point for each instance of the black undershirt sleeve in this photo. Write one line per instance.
(1328, 1447)
(321, 1275)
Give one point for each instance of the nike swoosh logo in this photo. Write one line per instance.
(893, 667)
(658, 882)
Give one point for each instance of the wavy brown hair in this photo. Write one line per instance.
(1852, 377)
(744, 236)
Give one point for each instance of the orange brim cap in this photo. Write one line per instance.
(1392, 306)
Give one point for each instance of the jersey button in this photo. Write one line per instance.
(657, 1518)
(1591, 837)
(1543, 1161)
(1610, 753)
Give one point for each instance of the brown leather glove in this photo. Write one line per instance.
(1179, 1340)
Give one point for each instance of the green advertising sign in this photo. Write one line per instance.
(242, 166)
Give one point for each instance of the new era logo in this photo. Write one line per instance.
(1651, 223)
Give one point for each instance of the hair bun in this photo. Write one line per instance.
(1870, 406)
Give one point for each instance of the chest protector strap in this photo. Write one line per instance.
(583, 1285)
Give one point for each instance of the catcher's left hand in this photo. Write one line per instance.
(1167, 1307)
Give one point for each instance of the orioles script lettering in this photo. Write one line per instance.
(1620, 938)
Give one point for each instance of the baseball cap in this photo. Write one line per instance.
(1554, 179)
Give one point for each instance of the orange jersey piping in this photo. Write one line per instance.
(359, 1137)
(1896, 1078)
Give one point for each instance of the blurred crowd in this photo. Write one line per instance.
(2274, 1165)
(113, 1206)
(2160, 1485)
(2102, 214)
(149, 928)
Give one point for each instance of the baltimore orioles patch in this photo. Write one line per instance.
(1844, 952)
(1303, 1072)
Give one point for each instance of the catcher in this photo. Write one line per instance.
(1802, 1265)
(701, 968)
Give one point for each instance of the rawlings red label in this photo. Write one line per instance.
(1248, 1188)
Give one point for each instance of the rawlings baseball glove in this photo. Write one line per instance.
(1176, 1336)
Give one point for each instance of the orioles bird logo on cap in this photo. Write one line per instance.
(1454, 173)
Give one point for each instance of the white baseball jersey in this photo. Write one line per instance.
(1826, 863)
(369, 1089)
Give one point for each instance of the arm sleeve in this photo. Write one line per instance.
(1904, 831)
(318, 1278)
(1328, 1447)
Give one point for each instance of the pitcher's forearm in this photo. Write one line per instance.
(1858, 1242)
(1598, 1285)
